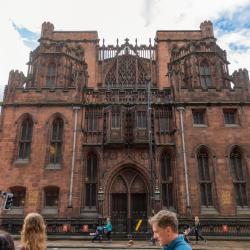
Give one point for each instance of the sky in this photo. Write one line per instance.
(21, 20)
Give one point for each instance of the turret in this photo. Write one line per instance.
(241, 78)
(47, 30)
(207, 30)
(16, 80)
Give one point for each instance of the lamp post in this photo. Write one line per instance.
(100, 197)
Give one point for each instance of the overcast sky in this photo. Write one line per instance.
(20, 24)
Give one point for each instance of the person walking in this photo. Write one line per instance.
(98, 233)
(6, 241)
(33, 235)
(198, 230)
(108, 229)
(165, 228)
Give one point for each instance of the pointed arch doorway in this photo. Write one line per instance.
(129, 198)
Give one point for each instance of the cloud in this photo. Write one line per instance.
(235, 21)
(149, 10)
(232, 30)
(29, 38)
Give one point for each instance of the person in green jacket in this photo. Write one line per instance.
(165, 229)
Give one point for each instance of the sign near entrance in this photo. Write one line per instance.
(138, 225)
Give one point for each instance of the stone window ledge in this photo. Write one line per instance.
(16, 211)
(53, 166)
(200, 125)
(243, 210)
(21, 161)
(89, 213)
(232, 125)
(50, 211)
(209, 210)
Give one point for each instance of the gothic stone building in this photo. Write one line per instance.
(124, 130)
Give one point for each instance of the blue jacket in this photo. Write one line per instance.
(178, 244)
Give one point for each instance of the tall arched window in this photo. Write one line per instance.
(51, 75)
(91, 181)
(56, 142)
(25, 139)
(204, 178)
(205, 75)
(167, 180)
(239, 177)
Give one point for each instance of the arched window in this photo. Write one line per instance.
(91, 181)
(51, 75)
(205, 75)
(51, 196)
(25, 139)
(18, 196)
(204, 178)
(167, 180)
(56, 142)
(239, 177)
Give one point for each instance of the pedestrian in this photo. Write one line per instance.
(98, 233)
(108, 229)
(198, 230)
(165, 228)
(6, 241)
(186, 232)
(33, 235)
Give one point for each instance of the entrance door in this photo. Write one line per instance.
(119, 212)
(138, 206)
(119, 206)
(129, 200)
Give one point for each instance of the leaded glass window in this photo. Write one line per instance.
(167, 181)
(205, 75)
(51, 196)
(18, 196)
(51, 75)
(91, 180)
(205, 178)
(239, 178)
(25, 139)
(56, 142)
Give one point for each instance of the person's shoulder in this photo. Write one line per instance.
(181, 244)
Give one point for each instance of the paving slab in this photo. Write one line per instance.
(84, 245)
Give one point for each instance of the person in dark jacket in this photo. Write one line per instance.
(198, 230)
(165, 228)
(186, 232)
(6, 241)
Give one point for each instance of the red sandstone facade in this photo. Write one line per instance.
(125, 130)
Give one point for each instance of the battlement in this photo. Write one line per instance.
(207, 29)
(16, 78)
(47, 30)
(241, 78)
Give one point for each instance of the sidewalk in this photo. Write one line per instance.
(83, 244)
